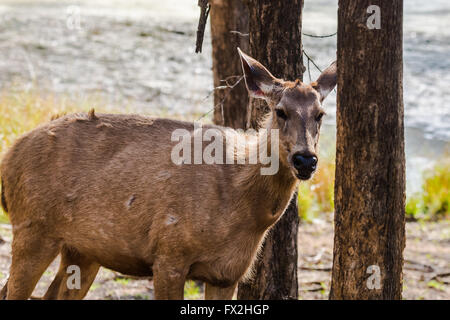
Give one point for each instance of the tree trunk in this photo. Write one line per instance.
(275, 41)
(370, 160)
(229, 30)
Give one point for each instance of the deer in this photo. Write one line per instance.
(101, 190)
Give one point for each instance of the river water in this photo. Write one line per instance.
(140, 53)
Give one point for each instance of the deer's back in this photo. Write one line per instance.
(106, 185)
(94, 177)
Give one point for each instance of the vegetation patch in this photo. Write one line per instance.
(317, 195)
(192, 290)
(433, 202)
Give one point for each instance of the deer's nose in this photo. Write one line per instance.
(304, 162)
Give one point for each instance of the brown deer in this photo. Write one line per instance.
(102, 190)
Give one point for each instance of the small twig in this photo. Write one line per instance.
(227, 85)
(231, 87)
(325, 269)
(205, 114)
(316, 258)
(309, 59)
(240, 33)
(309, 71)
(204, 12)
(118, 276)
(227, 79)
(318, 36)
(438, 277)
(319, 286)
(421, 266)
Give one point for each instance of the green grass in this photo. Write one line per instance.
(192, 291)
(21, 111)
(433, 202)
(317, 195)
(3, 217)
(436, 285)
(94, 286)
(122, 281)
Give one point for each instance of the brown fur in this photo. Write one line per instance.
(102, 191)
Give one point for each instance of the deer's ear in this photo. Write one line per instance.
(259, 81)
(326, 81)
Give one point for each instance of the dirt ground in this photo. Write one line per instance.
(426, 269)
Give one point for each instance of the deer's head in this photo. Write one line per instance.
(296, 110)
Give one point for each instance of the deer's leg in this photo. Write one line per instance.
(31, 255)
(217, 293)
(3, 292)
(59, 288)
(168, 280)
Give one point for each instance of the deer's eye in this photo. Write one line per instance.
(281, 114)
(319, 116)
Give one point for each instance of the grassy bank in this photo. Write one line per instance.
(316, 196)
(433, 202)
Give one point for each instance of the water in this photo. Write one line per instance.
(426, 58)
(426, 44)
(141, 53)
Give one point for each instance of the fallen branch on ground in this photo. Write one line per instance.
(438, 277)
(319, 286)
(327, 269)
(417, 266)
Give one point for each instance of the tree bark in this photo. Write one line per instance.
(229, 30)
(370, 159)
(275, 41)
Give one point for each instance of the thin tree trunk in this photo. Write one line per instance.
(275, 41)
(229, 30)
(370, 160)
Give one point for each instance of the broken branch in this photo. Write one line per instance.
(204, 12)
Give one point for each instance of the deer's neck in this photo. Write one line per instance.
(266, 195)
